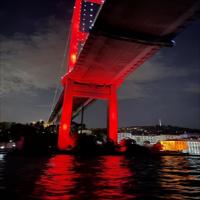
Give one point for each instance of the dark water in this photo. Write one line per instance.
(105, 177)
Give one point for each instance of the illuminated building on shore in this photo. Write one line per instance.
(140, 139)
(177, 143)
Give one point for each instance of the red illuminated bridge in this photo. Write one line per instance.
(109, 40)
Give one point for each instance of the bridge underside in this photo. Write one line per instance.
(125, 35)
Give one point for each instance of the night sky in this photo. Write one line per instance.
(32, 47)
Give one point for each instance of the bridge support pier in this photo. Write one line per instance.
(65, 138)
(112, 115)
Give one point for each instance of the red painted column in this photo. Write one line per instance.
(113, 115)
(65, 139)
(74, 40)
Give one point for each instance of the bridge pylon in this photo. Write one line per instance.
(73, 89)
(65, 138)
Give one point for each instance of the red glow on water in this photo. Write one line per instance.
(68, 177)
(114, 170)
(57, 179)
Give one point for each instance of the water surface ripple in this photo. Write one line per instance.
(70, 177)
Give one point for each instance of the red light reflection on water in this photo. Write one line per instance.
(68, 177)
(114, 176)
(56, 180)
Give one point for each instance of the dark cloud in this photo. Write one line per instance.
(33, 61)
(31, 64)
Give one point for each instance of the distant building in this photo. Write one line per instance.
(85, 131)
(184, 143)
(140, 139)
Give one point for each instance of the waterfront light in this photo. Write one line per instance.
(174, 145)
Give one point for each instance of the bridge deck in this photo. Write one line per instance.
(125, 34)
